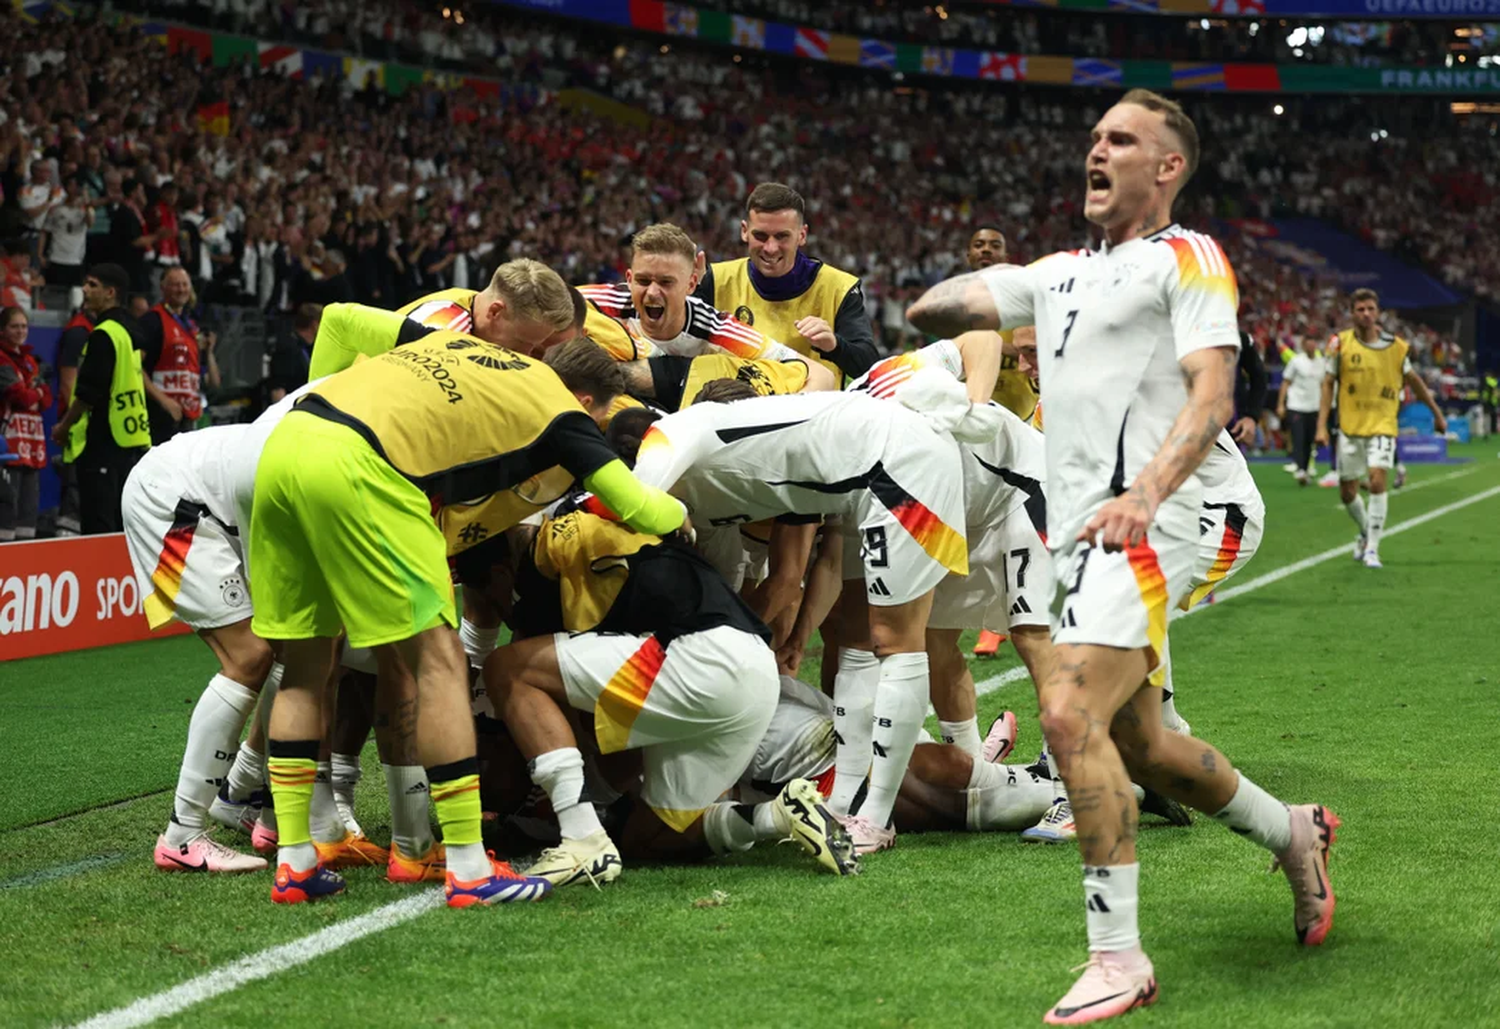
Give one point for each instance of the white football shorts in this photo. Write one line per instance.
(697, 709)
(189, 566)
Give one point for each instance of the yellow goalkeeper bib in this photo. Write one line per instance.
(1370, 384)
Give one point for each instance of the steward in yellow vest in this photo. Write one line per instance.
(106, 428)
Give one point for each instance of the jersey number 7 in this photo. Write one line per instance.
(1067, 331)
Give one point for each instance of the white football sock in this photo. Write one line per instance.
(1356, 509)
(1379, 503)
(301, 857)
(467, 861)
(478, 643)
(727, 830)
(248, 774)
(963, 735)
(1111, 898)
(213, 731)
(408, 791)
(560, 773)
(1005, 798)
(853, 719)
(900, 707)
(346, 772)
(1254, 813)
(323, 819)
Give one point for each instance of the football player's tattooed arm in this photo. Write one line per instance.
(638, 379)
(1210, 381)
(961, 304)
(981, 353)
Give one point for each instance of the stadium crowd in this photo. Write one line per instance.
(318, 193)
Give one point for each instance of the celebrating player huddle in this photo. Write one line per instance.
(662, 504)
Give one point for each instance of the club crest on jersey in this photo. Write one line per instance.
(744, 315)
(232, 590)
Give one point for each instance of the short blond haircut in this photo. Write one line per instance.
(1364, 293)
(664, 238)
(533, 292)
(1177, 121)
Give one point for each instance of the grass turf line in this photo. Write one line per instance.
(996, 923)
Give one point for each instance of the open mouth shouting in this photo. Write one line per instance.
(1098, 188)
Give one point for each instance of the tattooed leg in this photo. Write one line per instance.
(1088, 685)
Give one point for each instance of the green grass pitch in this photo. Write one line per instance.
(1377, 693)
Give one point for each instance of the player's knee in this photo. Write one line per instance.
(1067, 730)
(249, 662)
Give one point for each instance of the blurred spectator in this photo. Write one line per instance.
(105, 429)
(177, 359)
(291, 353)
(65, 241)
(17, 279)
(24, 395)
(40, 194)
(133, 244)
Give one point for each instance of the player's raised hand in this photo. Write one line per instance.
(817, 332)
(1121, 523)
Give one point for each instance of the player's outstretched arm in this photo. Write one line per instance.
(1424, 395)
(347, 332)
(643, 508)
(1210, 374)
(961, 304)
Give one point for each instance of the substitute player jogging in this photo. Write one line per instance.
(1368, 367)
(1138, 347)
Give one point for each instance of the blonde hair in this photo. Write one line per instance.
(533, 293)
(664, 238)
(1364, 293)
(1177, 121)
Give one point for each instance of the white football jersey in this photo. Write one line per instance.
(1226, 478)
(1000, 475)
(807, 453)
(1112, 326)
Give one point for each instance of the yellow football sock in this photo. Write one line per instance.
(455, 796)
(292, 790)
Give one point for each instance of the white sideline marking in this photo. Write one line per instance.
(287, 955)
(1343, 550)
(264, 964)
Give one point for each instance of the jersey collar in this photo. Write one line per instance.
(1105, 247)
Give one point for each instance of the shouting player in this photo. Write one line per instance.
(1368, 367)
(1138, 346)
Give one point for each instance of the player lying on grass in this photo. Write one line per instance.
(889, 472)
(343, 539)
(645, 637)
(1138, 345)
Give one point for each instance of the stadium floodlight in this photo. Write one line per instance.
(1278, 110)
